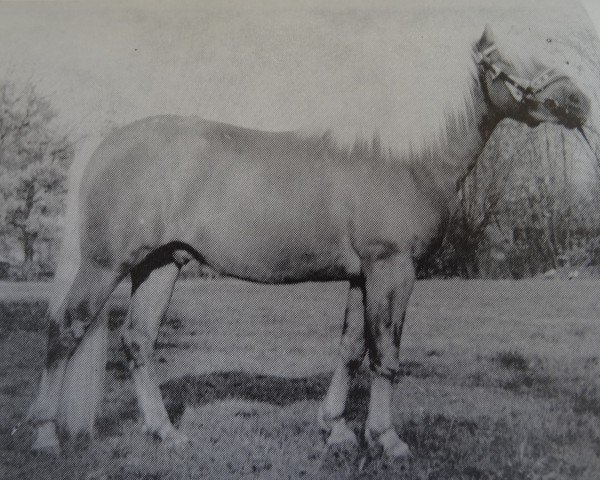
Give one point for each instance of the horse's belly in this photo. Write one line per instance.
(267, 244)
(278, 255)
(269, 224)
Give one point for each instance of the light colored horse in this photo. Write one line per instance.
(272, 207)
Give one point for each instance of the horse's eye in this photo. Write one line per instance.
(550, 104)
(573, 98)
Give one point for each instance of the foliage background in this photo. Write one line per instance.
(34, 161)
(529, 206)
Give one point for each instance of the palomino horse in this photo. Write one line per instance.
(271, 207)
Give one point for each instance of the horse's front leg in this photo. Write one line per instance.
(388, 284)
(351, 354)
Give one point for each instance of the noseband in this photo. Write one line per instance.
(524, 91)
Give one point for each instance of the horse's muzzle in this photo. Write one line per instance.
(567, 104)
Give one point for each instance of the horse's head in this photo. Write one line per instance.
(551, 96)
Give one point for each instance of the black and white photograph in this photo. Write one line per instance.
(297, 239)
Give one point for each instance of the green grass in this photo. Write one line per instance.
(500, 382)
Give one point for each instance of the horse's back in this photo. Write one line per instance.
(268, 206)
(184, 178)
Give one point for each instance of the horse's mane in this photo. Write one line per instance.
(439, 101)
(428, 105)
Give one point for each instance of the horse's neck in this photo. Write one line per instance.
(467, 133)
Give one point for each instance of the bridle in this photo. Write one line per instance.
(525, 92)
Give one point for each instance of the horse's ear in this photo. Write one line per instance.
(487, 39)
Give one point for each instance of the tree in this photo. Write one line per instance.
(480, 202)
(34, 161)
(524, 208)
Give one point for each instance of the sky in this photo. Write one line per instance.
(593, 9)
(275, 65)
(104, 62)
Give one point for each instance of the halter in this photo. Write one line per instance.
(523, 91)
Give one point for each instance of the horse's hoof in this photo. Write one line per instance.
(46, 441)
(41, 448)
(335, 430)
(175, 439)
(322, 420)
(341, 433)
(391, 443)
(49, 450)
(168, 435)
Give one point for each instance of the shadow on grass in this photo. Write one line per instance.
(281, 391)
(200, 390)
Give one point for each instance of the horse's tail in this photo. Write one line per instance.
(71, 387)
(83, 383)
(69, 256)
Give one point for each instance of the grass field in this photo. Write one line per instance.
(501, 381)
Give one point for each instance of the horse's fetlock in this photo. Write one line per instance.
(392, 373)
(352, 354)
(76, 330)
(78, 313)
(353, 365)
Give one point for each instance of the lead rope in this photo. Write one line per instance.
(587, 140)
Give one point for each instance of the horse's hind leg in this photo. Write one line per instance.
(352, 352)
(148, 305)
(71, 380)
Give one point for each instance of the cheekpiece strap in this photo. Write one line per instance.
(517, 87)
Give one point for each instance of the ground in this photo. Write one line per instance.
(501, 381)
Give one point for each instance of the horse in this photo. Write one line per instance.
(273, 207)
